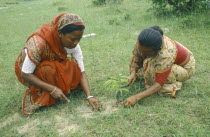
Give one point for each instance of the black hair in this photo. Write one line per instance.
(70, 28)
(151, 38)
(158, 29)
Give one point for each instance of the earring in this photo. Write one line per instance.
(59, 34)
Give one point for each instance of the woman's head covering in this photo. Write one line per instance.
(69, 18)
(49, 32)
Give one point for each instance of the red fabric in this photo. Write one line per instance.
(182, 54)
(161, 77)
(65, 75)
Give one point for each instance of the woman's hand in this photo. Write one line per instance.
(132, 78)
(58, 94)
(94, 103)
(131, 101)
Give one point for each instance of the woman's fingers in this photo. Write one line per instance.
(95, 104)
(92, 104)
(57, 97)
(65, 98)
(129, 82)
(127, 103)
(133, 80)
(98, 105)
(60, 97)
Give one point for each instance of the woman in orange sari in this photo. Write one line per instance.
(44, 66)
(162, 62)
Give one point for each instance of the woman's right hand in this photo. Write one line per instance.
(58, 94)
(132, 78)
(55, 92)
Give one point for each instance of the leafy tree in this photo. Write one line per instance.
(181, 5)
(103, 2)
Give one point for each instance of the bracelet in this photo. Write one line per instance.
(53, 90)
(89, 97)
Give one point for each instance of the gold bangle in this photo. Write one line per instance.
(89, 97)
(53, 90)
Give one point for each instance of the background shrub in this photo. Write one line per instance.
(181, 6)
(103, 2)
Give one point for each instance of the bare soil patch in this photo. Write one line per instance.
(29, 126)
(10, 119)
(63, 126)
(109, 106)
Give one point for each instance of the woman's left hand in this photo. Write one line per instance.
(95, 104)
(131, 101)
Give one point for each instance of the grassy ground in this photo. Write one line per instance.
(107, 54)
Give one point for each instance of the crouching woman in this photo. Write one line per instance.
(43, 64)
(162, 62)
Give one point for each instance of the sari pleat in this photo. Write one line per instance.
(65, 75)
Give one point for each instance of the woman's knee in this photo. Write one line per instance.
(180, 73)
(46, 69)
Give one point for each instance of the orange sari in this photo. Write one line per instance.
(53, 67)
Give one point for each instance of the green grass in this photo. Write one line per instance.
(107, 54)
